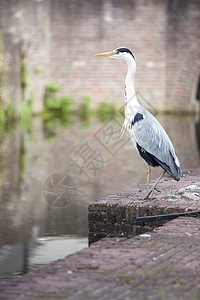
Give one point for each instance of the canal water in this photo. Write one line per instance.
(50, 171)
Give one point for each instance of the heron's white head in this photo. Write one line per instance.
(122, 53)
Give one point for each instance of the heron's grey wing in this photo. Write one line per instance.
(151, 136)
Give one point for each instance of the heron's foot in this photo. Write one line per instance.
(147, 196)
(150, 193)
(157, 190)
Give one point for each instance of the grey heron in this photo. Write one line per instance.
(147, 134)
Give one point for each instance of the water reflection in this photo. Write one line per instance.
(27, 158)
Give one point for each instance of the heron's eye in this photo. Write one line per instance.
(117, 52)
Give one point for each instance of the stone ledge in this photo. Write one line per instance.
(116, 214)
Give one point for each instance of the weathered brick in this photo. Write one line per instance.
(166, 49)
(99, 217)
(96, 206)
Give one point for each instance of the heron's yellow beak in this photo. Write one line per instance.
(106, 53)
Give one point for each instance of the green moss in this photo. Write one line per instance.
(177, 278)
(24, 75)
(23, 160)
(8, 117)
(52, 88)
(26, 115)
(65, 104)
(50, 135)
(54, 105)
(10, 111)
(2, 115)
(58, 106)
(84, 109)
(106, 109)
(37, 70)
(51, 123)
(123, 222)
(143, 240)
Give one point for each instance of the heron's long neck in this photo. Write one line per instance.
(131, 102)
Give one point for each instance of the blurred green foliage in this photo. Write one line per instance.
(106, 109)
(58, 110)
(23, 159)
(54, 105)
(24, 75)
(84, 108)
(26, 115)
(52, 88)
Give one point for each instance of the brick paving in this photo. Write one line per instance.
(162, 264)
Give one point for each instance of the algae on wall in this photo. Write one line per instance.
(2, 72)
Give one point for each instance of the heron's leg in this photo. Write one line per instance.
(153, 187)
(148, 176)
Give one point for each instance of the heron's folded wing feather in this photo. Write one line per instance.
(151, 136)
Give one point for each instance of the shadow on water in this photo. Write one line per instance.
(40, 223)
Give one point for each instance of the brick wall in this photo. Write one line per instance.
(60, 37)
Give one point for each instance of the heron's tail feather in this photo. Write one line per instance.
(176, 173)
(172, 167)
(175, 169)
